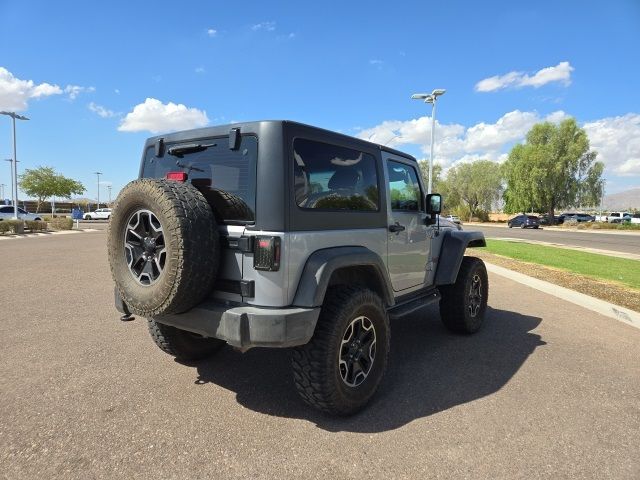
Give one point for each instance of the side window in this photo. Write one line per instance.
(404, 188)
(6, 210)
(329, 177)
(21, 211)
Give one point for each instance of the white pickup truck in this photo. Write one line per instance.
(619, 217)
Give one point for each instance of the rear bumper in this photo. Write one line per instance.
(244, 326)
(247, 326)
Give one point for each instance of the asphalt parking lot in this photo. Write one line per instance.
(546, 390)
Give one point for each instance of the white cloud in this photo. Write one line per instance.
(117, 91)
(617, 141)
(74, 90)
(155, 116)
(457, 143)
(101, 111)
(212, 32)
(268, 26)
(560, 73)
(15, 93)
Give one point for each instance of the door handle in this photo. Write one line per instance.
(396, 228)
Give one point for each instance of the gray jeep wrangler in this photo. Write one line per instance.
(278, 234)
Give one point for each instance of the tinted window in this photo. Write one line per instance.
(328, 177)
(531, 217)
(6, 210)
(404, 188)
(227, 178)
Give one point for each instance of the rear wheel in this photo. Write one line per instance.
(87, 217)
(463, 304)
(181, 344)
(340, 369)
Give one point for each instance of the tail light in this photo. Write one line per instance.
(177, 176)
(266, 255)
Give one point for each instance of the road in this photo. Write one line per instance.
(546, 390)
(626, 243)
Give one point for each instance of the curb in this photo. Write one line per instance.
(47, 234)
(469, 226)
(606, 309)
(597, 251)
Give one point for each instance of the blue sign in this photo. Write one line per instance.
(77, 213)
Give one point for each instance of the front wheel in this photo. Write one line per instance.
(87, 217)
(463, 304)
(182, 345)
(340, 369)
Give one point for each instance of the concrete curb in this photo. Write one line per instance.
(607, 309)
(47, 234)
(469, 226)
(598, 251)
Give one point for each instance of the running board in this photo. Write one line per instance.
(414, 304)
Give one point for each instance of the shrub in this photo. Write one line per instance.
(35, 225)
(10, 225)
(61, 223)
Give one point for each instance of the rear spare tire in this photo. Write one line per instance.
(163, 246)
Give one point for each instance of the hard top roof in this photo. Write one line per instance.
(219, 130)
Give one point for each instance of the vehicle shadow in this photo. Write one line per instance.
(430, 370)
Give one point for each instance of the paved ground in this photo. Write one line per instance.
(546, 390)
(605, 241)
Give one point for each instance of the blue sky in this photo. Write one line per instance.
(97, 78)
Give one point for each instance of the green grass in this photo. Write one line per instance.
(603, 267)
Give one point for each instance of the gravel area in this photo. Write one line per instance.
(609, 291)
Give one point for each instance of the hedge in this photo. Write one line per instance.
(61, 223)
(9, 225)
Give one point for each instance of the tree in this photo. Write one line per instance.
(43, 183)
(553, 169)
(476, 185)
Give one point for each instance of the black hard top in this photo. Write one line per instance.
(256, 127)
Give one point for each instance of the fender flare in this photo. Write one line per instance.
(452, 251)
(321, 265)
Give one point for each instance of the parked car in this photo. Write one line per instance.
(99, 214)
(557, 219)
(454, 219)
(579, 217)
(524, 221)
(6, 213)
(620, 217)
(446, 222)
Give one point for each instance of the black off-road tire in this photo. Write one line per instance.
(462, 307)
(182, 345)
(316, 370)
(191, 240)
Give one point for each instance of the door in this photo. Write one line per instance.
(408, 242)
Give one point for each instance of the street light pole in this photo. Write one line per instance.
(14, 180)
(10, 160)
(431, 98)
(98, 175)
(109, 189)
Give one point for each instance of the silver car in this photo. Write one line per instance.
(7, 211)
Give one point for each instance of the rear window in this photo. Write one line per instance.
(530, 217)
(329, 177)
(227, 178)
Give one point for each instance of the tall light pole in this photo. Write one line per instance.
(109, 189)
(14, 116)
(431, 98)
(98, 175)
(10, 160)
(2, 192)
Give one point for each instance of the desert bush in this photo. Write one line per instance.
(35, 225)
(10, 226)
(61, 223)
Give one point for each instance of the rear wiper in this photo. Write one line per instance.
(181, 150)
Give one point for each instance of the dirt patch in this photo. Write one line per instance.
(608, 291)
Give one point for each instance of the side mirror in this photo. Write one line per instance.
(434, 203)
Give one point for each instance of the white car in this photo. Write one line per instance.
(99, 214)
(6, 213)
(454, 219)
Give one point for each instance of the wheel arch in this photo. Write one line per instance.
(350, 265)
(454, 244)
